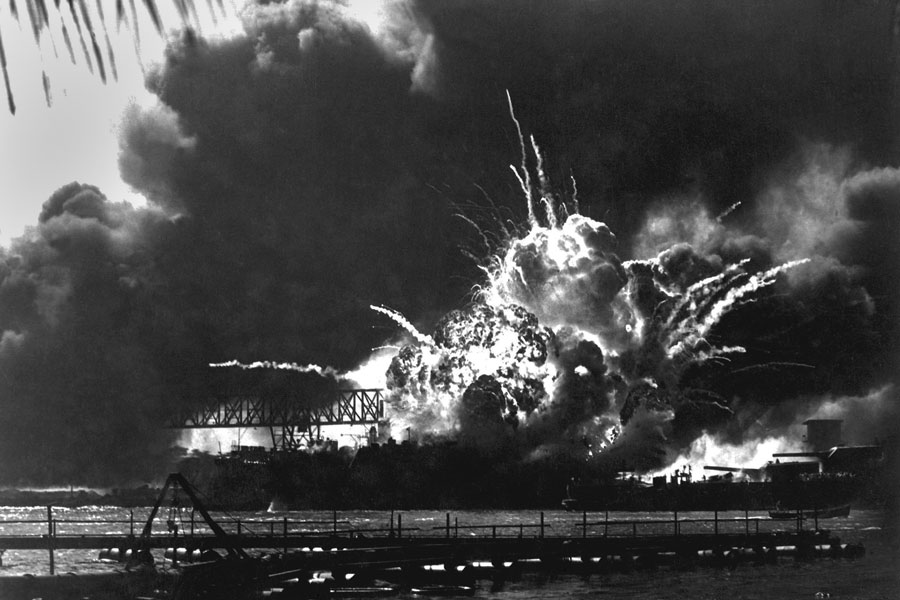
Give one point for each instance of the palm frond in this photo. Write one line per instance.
(120, 12)
(68, 40)
(36, 18)
(154, 13)
(89, 27)
(9, 94)
(109, 50)
(77, 21)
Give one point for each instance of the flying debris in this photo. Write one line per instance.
(728, 211)
(405, 324)
(565, 343)
(567, 348)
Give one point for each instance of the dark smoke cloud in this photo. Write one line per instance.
(642, 98)
(80, 403)
(823, 340)
(310, 168)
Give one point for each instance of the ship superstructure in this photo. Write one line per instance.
(829, 474)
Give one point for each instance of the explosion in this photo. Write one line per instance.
(567, 346)
(314, 163)
(486, 363)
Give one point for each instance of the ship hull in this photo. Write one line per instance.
(684, 497)
(831, 512)
(712, 496)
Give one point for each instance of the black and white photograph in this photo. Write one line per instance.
(497, 299)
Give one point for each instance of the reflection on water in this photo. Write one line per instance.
(873, 577)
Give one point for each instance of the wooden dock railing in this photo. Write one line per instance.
(55, 533)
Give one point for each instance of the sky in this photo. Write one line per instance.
(252, 194)
(74, 137)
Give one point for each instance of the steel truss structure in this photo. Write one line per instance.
(291, 421)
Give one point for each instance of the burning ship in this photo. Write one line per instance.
(826, 477)
(825, 480)
(570, 361)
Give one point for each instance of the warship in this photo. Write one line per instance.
(379, 476)
(825, 479)
(407, 475)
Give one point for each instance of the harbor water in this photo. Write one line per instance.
(874, 576)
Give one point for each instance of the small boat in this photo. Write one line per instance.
(830, 512)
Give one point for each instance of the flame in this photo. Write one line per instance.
(560, 343)
(710, 450)
(565, 278)
(565, 345)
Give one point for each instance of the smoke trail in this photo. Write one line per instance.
(405, 324)
(267, 364)
(523, 175)
(693, 330)
(635, 373)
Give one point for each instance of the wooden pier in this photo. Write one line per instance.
(307, 557)
(335, 540)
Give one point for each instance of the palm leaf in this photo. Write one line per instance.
(37, 19)
(154, 13)
(89, 27)
(68, 41)
(109, 49)
(77, 21)
(9, 95)
(212, 11)
(42, 8)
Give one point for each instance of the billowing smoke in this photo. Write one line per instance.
(79, 317)
(316, 166)
(640, 359)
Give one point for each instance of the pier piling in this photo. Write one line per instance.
(50, 538)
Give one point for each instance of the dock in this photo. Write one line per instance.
(307, 557)
(342, 544)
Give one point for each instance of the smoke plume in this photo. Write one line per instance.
(319, 163)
